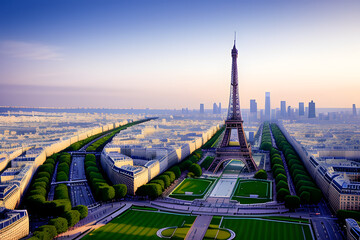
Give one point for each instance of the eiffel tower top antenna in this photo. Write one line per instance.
(235, 38)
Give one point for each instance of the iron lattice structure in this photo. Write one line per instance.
(234, 121)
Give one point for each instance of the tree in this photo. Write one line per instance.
(281, 184)
(83, 210)
(196, 169)
(266, 146)
(151, 190)
(160, 182)
(279, 171)
(176, 170)
(171, 175)
(166, 180)
(60, 223)
(62, 176)
(184, 165)
(43, 174)
(48, 167)
(305, 197)
(261, 174)
(59, 206)
(315, 193)
(280, 177)
(121, 190)
(343, 214)
(281, 194)
(292, 202)
(106, 193)
(49, 229)
(72, 216)
(61, 192)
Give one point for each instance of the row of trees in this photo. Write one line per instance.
(157, 186)
(63, 169)
(266, 143)
(281, 181)
(99, 144)
(36, 200)
(306, 189)
(213, 139)
(60, 224)
(101, 190)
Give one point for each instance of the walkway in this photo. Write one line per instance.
(199, 227)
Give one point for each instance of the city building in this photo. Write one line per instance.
(301, 109)
(219, 108)
(215, 109)
(14, 224)
(202, 110)
(267, 106)
(140, 153)
(354, 110)
(352, 229)
(283, 109)
(312, 113)
(253, 110)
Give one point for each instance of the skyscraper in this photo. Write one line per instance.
(219, 108)
(312, 113)
(215, 109)
(202, 111)
(354, 110)
(253, 106)
(253, 110)
(301, 109)
(267, 106)
(283, 109)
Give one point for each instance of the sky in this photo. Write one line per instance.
(176, 54)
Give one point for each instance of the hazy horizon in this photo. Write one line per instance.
(173, 55)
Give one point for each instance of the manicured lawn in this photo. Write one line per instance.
(247, 187)
(180, 233)
(198, 188)
(264, 229)
(142, 225)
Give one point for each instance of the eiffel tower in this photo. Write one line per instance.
(241, 150)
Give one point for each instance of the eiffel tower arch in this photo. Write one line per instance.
(240, 150)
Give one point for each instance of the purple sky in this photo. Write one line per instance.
(174, 54)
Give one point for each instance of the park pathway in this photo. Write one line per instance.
(199, 227)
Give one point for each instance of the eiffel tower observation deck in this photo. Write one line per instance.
(240, 150)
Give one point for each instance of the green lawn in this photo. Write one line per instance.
(198, 187)
(246, 187)
(142, 225)
(264, 229)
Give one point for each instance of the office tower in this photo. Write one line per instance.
(202, 111)
(312, 113)
(267, 106)
(219, 108)
(253, 106)
(215, 109)
(354, 110)
(301, 109)
(253, 110)
(283, 109)
(289, 112)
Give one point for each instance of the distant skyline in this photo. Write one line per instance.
(176, 54)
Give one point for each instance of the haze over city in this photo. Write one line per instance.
(175, 54)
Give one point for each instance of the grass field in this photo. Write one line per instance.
(246, 187)
(265, 229)
(198, 187)
(142, 225)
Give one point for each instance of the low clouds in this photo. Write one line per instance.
(29, 51)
